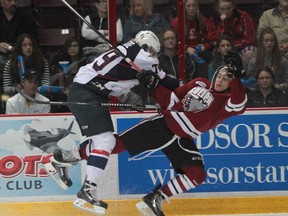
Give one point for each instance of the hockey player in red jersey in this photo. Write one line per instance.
(185, 113)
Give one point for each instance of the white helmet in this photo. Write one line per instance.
(148, 41)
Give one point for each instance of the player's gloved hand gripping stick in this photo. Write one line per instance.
(148, 79)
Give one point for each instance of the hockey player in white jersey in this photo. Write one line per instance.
(108, 75)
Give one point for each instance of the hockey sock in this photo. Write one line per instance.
(193, 176)
(96, 164)
(102, 145)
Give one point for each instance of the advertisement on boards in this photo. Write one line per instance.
(26, 144)
(242, 154)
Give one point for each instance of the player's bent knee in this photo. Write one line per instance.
(104, 141)
(196, 174)
(119, 146)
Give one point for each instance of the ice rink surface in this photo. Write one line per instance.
(261, 214)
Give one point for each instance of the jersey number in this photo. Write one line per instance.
(106, 59)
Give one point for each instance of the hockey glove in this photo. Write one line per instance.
(138, 107)
(148, 79)
(234, 63)
(133, 99)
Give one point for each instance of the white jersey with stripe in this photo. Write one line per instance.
(112, 70)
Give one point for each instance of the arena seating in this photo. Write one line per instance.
(54, 14)
(51, 41)
(47, 36)
(25, 4)
(87, 6)
(53, 3)
(206, 7)
(164, 8)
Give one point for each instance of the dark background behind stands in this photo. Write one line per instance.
(56, 22)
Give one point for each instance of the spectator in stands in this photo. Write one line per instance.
(64, 67)
(266, 95)
(26, 47)
(195, 28)
(276, 19)
(169, 56)
(94, 44)
(20, 105)
(268, 54)
(224, 44)
(142, 18)
(238, 24)
(13, 22)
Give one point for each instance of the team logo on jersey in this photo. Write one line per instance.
(197, 99)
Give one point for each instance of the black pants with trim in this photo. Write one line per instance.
(153, 133)
(92, 120)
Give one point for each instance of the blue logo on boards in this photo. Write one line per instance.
(243, 153)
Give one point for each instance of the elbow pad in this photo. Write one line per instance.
(169, 83)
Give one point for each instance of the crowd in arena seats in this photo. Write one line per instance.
(256, 30)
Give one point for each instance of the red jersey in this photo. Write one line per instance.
(240, 27)
(195, 107)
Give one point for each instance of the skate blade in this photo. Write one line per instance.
(144, 209)
(83, 205)
(52, 173)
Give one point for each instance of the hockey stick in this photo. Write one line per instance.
(65, 103)
(128, 60)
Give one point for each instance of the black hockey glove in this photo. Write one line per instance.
(234, 63)
(148, 79)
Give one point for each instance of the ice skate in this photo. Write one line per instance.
(70, 156)
(62, 179)
(87, 199)
(151, 204)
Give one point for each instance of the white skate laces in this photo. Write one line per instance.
(151, 204)
(90, 188)
(87, 196)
